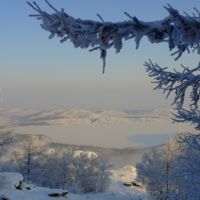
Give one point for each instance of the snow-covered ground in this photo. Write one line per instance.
(116, 191)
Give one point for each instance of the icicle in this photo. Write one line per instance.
(51, 35)
(103, 57)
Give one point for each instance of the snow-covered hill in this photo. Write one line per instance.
(74, 116)
(116, 191)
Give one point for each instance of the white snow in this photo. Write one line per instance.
(126, 173)
(117, 191)
(12, 180)
(87, 153)
(50, 151)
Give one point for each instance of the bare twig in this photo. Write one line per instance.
(197, 11)
(32, 6)
(37, 6)
(128, 15)
(34, 15)
(51, 6)
(194, 15)
(100, 17)
(191, 17)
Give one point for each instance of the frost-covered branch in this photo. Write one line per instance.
(183, 115)
(182, 32)
(177, 82)
(190, 140)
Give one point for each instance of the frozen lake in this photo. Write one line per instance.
(118, 135)
(149, 140)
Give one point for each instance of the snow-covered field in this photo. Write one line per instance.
(116, 191)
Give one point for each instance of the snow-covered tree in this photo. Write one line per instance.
(156, 168)
(104, 174)
(172, 172)
(80, 173)
(150, 173)
(24, 161)
(32, 149)
(92, 173)
(6, 138)
(169, 157)
(187, 171)
(59, 169)
(16, 155)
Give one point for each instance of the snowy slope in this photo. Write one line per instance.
(117, 190)
(75, 116)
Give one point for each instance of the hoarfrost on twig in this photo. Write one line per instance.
(182, 32)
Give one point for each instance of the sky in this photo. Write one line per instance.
(39, 73)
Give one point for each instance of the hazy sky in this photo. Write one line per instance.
(40, 73)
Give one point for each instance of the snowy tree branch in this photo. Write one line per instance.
(189, 140)
(177, 82)
(183, 115)
(182, 32)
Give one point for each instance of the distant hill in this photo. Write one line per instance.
(77, 116)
